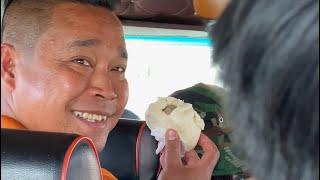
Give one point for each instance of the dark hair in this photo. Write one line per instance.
(269, 55)
(108, 4)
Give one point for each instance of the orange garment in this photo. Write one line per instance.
(106, 175)
(9, 123)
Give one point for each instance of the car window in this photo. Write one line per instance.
(160, 65)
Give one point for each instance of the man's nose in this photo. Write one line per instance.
(101, 86)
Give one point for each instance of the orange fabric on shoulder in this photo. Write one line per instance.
(106, 175)
(7, 122)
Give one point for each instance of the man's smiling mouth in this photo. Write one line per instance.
(90, 117)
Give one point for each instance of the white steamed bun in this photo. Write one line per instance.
(172, 113)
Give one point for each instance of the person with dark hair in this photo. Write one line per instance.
(63, 68)
(269, 55)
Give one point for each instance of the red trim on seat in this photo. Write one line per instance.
(68, 154)
(138, 146)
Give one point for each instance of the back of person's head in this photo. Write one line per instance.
(269, 55)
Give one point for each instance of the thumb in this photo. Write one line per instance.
(173, 149)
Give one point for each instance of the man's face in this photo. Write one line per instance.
(75, 80)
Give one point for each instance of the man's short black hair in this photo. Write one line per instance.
(25, 20)
(108, 4)
(269, 55)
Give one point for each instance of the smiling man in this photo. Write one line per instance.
(63, 68)
(63, 72)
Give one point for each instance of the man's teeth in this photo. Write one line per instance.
(90, 117)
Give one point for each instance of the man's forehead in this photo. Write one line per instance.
(74, 16)
(85, 21)
(68, 10)
(74, 25)
(95, 42)
(84, 43)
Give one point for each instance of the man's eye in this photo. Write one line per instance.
(82, 62)
(119, 69)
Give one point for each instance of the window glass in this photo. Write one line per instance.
(158, 66)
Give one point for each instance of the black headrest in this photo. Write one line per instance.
(44, 155)
(130, 152)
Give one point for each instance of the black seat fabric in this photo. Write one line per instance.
(130, 115)
(50, 156)
(130, 152)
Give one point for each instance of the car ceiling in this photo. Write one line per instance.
(160, 15)
(163, 11)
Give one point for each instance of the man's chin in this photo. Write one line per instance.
(99, 138)
(100, 143)
(98, 132)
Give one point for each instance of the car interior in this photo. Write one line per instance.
(176, 27)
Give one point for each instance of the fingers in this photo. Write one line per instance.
(162, 159)
(211, 153)
(172, 149)
(191, 158)
(172, 153)
(194, 167)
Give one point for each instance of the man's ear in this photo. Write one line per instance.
(8, 57)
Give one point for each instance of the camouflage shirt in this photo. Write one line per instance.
(208, 101)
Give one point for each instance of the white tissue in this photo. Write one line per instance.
(159, 136)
